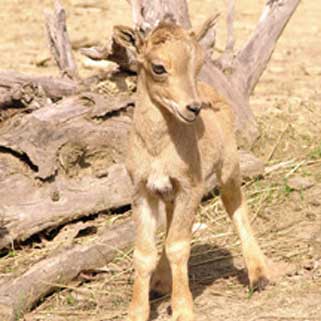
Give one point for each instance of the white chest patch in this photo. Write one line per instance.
(160, 185)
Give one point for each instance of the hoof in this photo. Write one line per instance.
(183, 316)
(259, 284)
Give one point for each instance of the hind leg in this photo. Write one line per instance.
(235, 205)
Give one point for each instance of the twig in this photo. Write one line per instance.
(230, 26)
(252, 59)
(206, 36)
(276, 167)
(59, 41)
(277, 143)
(293, 170)
(262, 200)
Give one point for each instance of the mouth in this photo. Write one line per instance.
(184, 118)
(174, 107)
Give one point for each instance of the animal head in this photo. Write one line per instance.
(169, 61)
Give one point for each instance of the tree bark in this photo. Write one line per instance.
(252, 59)
(19, 295)
(65, 161)
(62, 162)
(59, 41)
(54, 88)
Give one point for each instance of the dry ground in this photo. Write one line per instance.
(287, 222)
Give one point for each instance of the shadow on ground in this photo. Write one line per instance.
(208, 264)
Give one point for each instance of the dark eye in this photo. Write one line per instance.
(159, 69)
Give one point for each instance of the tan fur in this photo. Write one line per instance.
(171, 153)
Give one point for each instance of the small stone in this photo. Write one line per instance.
(299, 183)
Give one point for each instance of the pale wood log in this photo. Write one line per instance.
(147, 14)
(207, 34)
(17, 96)
(252, 59)
(59, 42)
(68, 151)
(27, 209)
(230, 42)
(19, 295)
(53, 87)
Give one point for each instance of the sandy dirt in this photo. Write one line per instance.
(285, 216)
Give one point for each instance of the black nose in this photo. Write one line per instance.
(194, 107)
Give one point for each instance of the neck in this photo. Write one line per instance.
(151, 123)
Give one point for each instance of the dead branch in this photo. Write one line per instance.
(113, 51)
(71, 155)
(230, 42)
(53, 87)
(253, 58)
(207, 34)
(31, 209)
(147, 14)
(17, 96)
(21, 294)
(59, 43)
(51, 159)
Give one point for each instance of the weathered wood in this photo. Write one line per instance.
(59, 43)
(68, 150)
(147, 14)
(206, 35)
(112, 51)
(41, 279)
(27, 209)
(17, 96)
(22, 293)
(253, 58)
(57, 164)
(53, 87)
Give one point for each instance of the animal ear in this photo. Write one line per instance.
(129, 38)
(206, 27)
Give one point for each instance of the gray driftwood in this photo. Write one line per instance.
(53, 87)
(20, 294)
(59, 41)
(64, 161)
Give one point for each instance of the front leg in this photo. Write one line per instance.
(177, 248)
(145, 213)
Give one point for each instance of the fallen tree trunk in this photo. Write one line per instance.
(59, 164)
(30, 209)
(76, 141)
(53, 87)
(21, 294)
